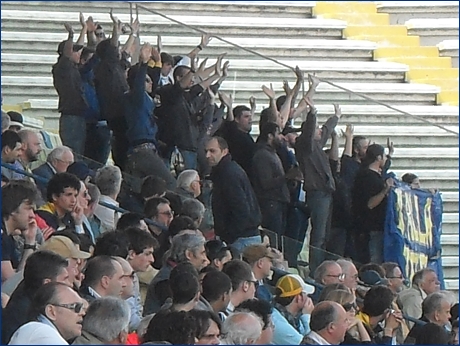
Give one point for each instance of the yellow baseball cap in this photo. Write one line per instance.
(292, 285)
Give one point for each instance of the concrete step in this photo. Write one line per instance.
(436, 179)
(450, 202)
(255, 70)
(450, 244)
(449, 48)
(154, 24)
(450, 266)
(402, 11)
(450, 223)
(291, 9)
(46, 43)
(433, 31)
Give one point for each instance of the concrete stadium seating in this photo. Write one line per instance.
(449, 48)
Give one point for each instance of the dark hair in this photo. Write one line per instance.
(322, 315)
(180, 223)
(371, 266)
(166, 58)
(153, 185)
(180, 71)
(214, 285)
(176, 327)
(377, 300)
(59, 182)
(96, 269)
(203, 320)
(113, 243)
(15, 193)
(283, 301)
(329, 288)
(140, 240)
(268, 129)
(220, 141)
(132, 74)
(151, 207)
(238, 111)
(175, 201)
(238, 271)
(389, 268)
(260, 307)
(70, 233)
(193, 208)
(86, 52)
(409, 178)
(280, 102)
(264, 117)
(39, 266)
(129, 219)
(216, 249)
(45, 295)
(372, 153)
(432, 334)
(184, 285)
(355, 143)
(10, 139)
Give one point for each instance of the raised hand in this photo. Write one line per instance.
(390, 146)
(269, 91)
(159, 43)
(82, 20)
(337, 110)
(69, 28)
(112, 17)
(205, 39)
(202, 65)
(252, 103)
(225, 69)
(146, 52)
(135, 26)
(90, 24)
(286, 87)
(219, 63)
(77, 215)
(313, 82)
(155, 54)
(299, 73)
(227, 100)
(349, 131)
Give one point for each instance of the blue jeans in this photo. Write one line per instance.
(190, 159)
(72, 130)
(376, 247)
(336, 242)
(97, 148)
(274, 215)
(241, 243)
(320, 204)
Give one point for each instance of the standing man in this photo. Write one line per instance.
(234, 204)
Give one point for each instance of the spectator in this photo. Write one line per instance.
(11, 151)
(16, 121)
(319, 181)
(218, 253)
(350, 274)
(216, 288)
(189, 184)
(31, 148)
(264, 311)
(103, 277)
(185, 287)
(424, 282)
(128, 220)
(57, 161)
(208, 327)
(108, 180)
(292, 309)
(6, 121)
(243, 283)
(241, 328)
(328, 272)
(234, 204)
(176, 327)
(18, 203)
(412, 180)
(41, 267)
(128, 277)
(329, 323)
(435, 309)
(194, 209)
(260, 259)
(330, 288)
(153, 186)
(394, 276)
(159, 210)
(432, 334)
(81, 171)
(454, 335)
(369, 200)
(57, 312)
(106, 322)
(93, 220)
(85, 233)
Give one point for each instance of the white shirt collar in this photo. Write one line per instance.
(93, 293)
(318, 338)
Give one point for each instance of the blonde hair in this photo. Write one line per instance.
(340, 296)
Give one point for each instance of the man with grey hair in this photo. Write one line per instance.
(328, 272)
(241, 328)
(350, 273)
(194, 209)
(108, 180)
(436, 309)
(424, 282)
(185, 247)
(57, 161)
(106, 322)
(189, 184)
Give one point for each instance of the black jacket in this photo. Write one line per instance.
(16, 312)
(234, 204)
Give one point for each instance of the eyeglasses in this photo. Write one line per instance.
(148, 81)
(131, 276)
(168, 213)
(349, 306)
(395, 277)
(255, 282)
(99, 34)
(66, 162)
(75, 307)
(340, 276)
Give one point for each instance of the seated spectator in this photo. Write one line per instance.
(159, 210)
(31, 148)
(11, 151)
(376, 309)
(263, 310)
(6, 121)
(424, 282)
(329, 323)
(152, 186)
(292, 309)
(194, 209)
(218, 253)
(260, 258)
(328, 272)
(106, 322)
(81, 171)
(454, 334)
(394, 276)
(216, 288)
(184, 248)
(18, 204)
(57, 312)
(128, 278)
(436, 310)
(103, 277)
(241, 328)
(188, 184)
(41, 267)
(108, 180)
(350, 274)
(185, 288)
(208, 327)
(330, 288)
(16, 121)
(57, 161)
(93, 220)
(114, 243)
(176, 327)
(432, 334)
(128, 220)
(85, 232)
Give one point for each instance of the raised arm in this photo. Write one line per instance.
(205, 39)
(129, 47)
(227, 101)
(116, 29)
(303, 106)
(68, 46)
(307, 137)
(84, 30)
(334, 152)
(273, 114)
(91, 27)
(330, 125)
(218, 71)
(285, 110)
(252, 104)
(139, 82)
(348, 134)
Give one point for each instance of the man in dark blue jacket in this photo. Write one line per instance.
(234, 203)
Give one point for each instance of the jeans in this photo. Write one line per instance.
(119, 141)
(320, 204)
(297, 225)
(376, 247)
(190, 159)
(336, 242)
(274, 214)
(241, 243)
(97, 147)
(72, 130)
(147, 162)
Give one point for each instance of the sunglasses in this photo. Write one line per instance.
(75, 307)
(349, 306)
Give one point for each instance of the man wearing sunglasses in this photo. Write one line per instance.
(57, 312)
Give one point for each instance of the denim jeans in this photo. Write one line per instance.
(320, 204)
(72, 130)
(376, 247)
(241, 243)
(274, 215)
(296, 229)
(336, 242)
(97, 147)
(119, 141)
(190, 159)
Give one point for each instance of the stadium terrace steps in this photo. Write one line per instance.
(449, 48)
(402, 11)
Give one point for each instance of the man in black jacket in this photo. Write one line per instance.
(234, 204)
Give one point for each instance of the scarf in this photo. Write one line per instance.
(293, 321)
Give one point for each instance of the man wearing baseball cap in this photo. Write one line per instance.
(260, 259)
(292, 310)
(16, 121)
